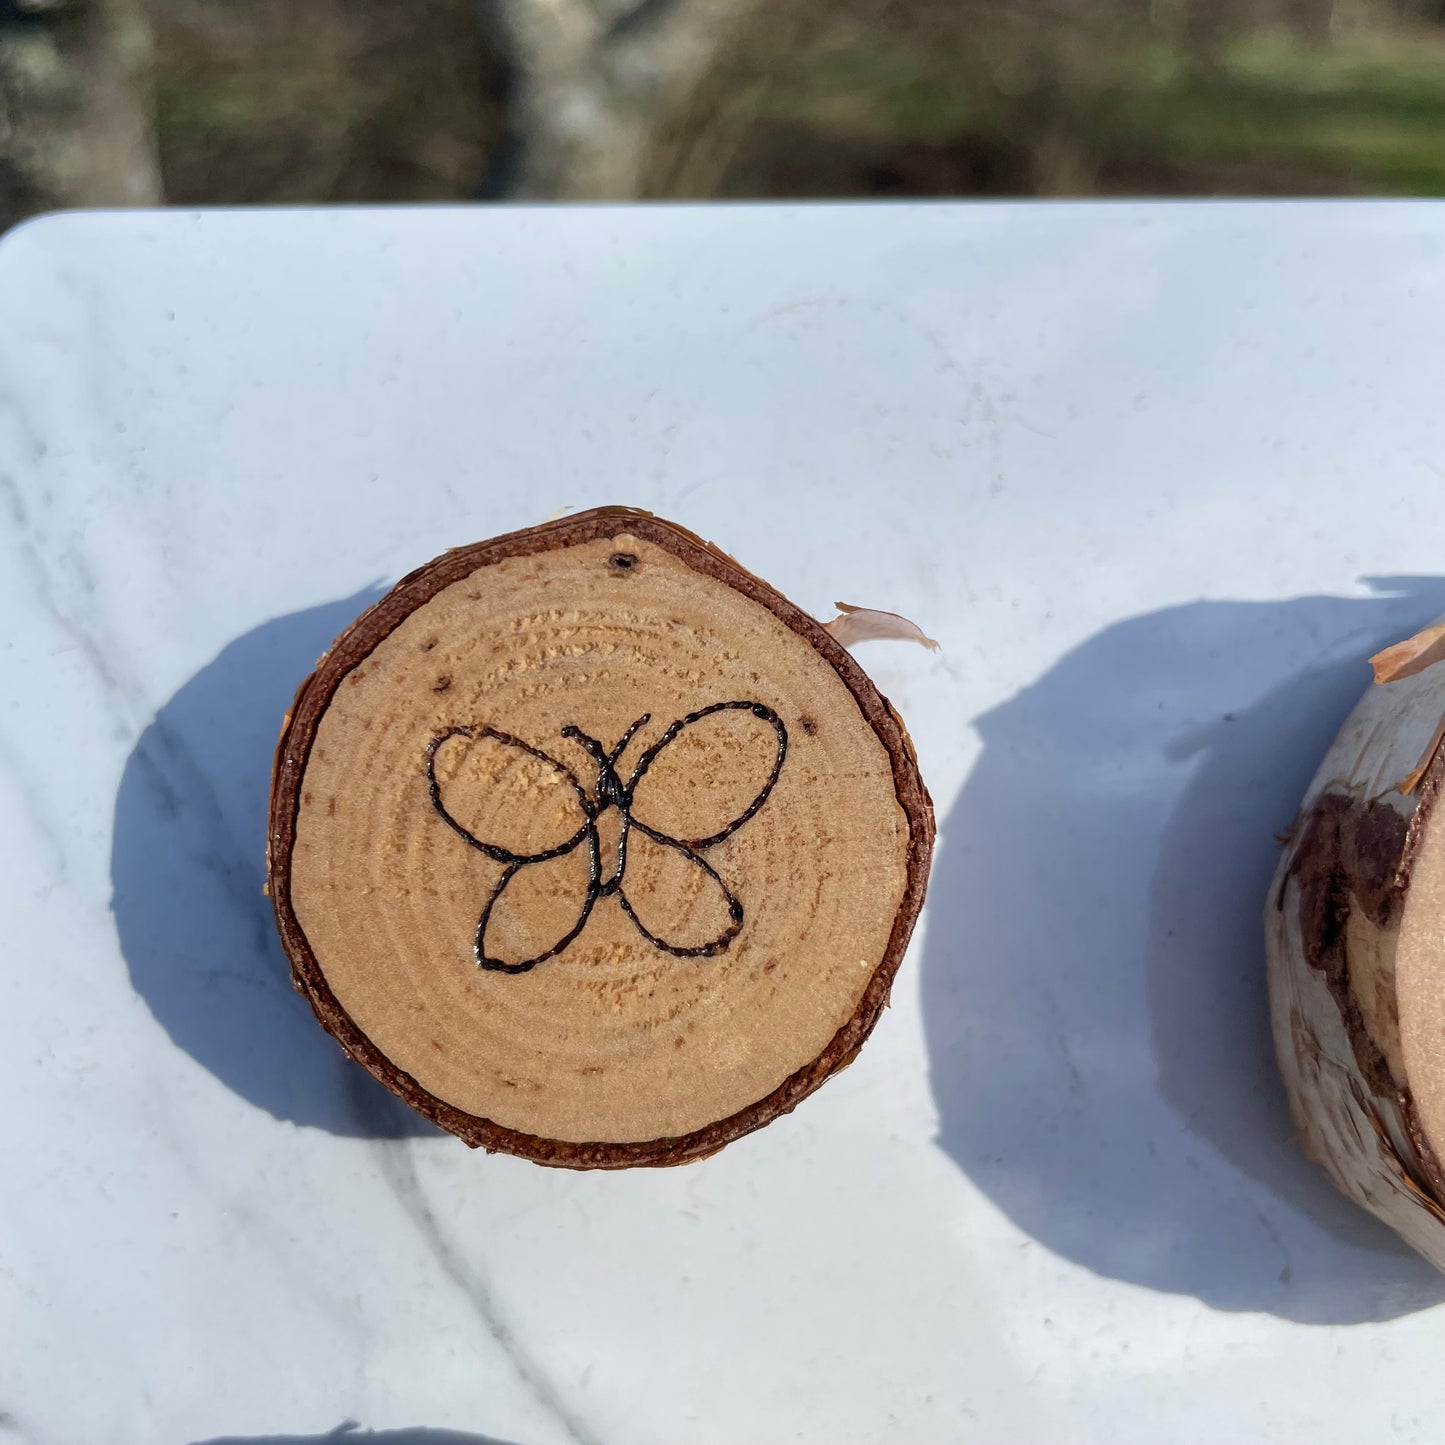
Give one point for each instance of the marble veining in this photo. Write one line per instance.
(463, 1272)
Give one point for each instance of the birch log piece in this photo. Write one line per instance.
(1355, 930)
(594, 848)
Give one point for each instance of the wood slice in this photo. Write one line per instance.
(594, 848)
(1355, 931)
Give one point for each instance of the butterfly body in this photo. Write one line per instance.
(608, 791)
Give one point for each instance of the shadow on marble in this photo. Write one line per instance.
(1093, 969)
(187, 869)
(348, 1435)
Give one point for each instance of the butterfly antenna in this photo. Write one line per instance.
(589, 744)
(628, 736)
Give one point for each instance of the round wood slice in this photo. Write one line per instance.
(594, 848)
(1355, 929)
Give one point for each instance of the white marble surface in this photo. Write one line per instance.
(1135, 466)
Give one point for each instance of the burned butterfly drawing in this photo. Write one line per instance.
(580, 814)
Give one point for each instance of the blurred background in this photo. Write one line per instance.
(203, 102)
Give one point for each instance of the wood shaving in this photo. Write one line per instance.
(864, 624)
(1413, 655)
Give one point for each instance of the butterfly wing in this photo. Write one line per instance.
(675, 897)
(538, 907)
(708, 774)
(520, 807)
(506, 798)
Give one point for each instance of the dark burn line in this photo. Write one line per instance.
(609, 792)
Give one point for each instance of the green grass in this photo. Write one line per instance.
(1364, 115)
(1370, 115)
